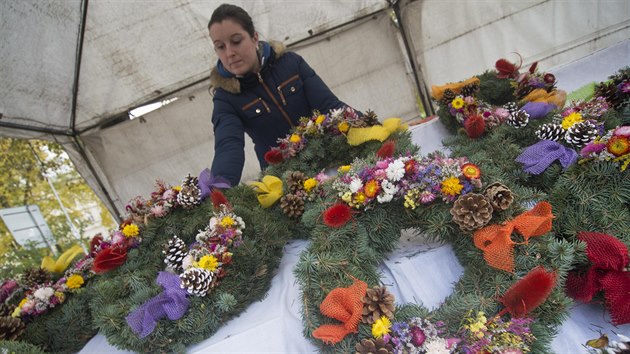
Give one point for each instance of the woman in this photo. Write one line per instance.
(260, 89)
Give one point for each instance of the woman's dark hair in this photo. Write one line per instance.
(234, 13)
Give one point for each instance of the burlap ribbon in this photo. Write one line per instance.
(358, 136)
(208, 181)
(171, 303)
(269, 190)
(495, 240)
(607, 273)
(345, 305)
(538, 157)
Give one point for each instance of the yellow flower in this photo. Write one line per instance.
(344, 169)
(410, 199)
(309, 184)
(320, 118)
(451, 186)
(343, 127)
(571, 119)
(75, 281)
(60, 296)
(359, 198)
(131, 230)
(208, 262)
(24, 300)
(16, 312)
(227, 221)
(177, 188)
(347, 197)
(457, 102)
(295, 138)
(381, 327)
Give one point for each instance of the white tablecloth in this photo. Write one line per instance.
(274, 325)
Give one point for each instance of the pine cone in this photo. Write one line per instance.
(34, 276)
(196, 281)
(511, 107)
(500, 196)
(10, 328)
(518, 119)
(292, 205)
(377, 302)
(6, 309)
(190, 194)
(373, 346)
(610, 92)
(550, 131)
(295, 181)
(470, 89)
(447, 97)
(370, 118)
(471, 211)
(175, 251)
(581, 133)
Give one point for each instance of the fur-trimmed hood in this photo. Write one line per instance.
(232, 84)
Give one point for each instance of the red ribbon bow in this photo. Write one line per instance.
(609, 259)
(495, 241)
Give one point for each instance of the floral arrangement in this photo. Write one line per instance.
(336, 122)
(603, 345)
(495, 336)
(613, 146)
(201, 267)
(416, 336)
(416, 179)
(527, 82)
(162, 200)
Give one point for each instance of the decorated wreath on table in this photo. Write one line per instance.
(354, 219)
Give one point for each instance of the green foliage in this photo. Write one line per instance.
(120, 291)
(23, 167)
(18, 347)
(494, 90)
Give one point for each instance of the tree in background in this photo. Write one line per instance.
(24, 167)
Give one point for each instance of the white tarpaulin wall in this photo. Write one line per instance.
(136, 52)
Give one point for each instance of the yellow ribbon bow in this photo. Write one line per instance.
(63, 261)
(358, 136)
(269, 190)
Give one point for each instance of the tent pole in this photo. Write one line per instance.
(112, 206)
(411, 56)
(77, 66)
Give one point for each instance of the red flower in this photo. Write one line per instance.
(387, 150)
(109, 258)
(475, 126)
(506, 69)
(218, 198)
(95, 241)
(273, 156)
(337, 215)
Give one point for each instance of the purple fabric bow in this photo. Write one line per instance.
(207, 181)
(537, 110)
(538, 157)
(171, 302)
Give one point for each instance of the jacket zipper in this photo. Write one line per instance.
(273, 98)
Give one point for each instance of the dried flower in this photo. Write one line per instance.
(381, 327)
(74, 281)
(131, 230)
(337, 215)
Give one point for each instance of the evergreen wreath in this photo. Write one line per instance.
(348, 245)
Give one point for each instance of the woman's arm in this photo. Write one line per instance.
(229, 142)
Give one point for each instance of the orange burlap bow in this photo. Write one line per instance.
(495, 241)
(345, 305)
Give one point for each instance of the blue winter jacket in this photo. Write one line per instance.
(265, 106)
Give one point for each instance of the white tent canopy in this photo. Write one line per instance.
(72, 70)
